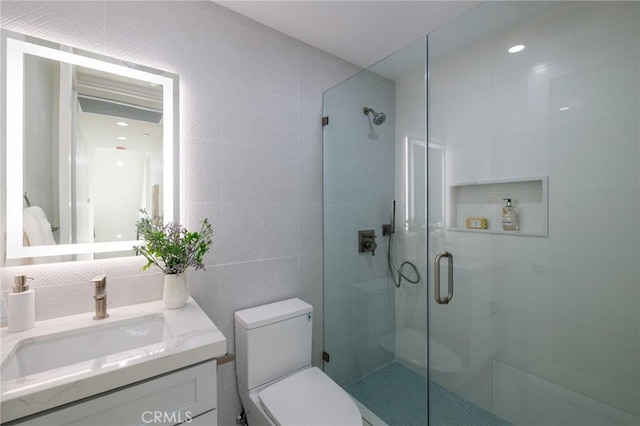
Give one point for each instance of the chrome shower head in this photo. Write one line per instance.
(378, 117)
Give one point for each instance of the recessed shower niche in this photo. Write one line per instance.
(485, 199)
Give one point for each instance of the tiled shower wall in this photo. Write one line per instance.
(250, 156)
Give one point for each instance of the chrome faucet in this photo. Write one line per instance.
(100, 297)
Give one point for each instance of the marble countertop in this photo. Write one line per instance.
(189, 337)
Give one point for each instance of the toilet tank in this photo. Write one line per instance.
(272, 341)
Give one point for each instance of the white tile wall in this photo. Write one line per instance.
(251, 156)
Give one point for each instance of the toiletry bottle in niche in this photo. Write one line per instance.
(21, 305)
(509, 217)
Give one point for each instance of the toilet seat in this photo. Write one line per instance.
(311, 398)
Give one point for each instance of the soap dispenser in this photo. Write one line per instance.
(509, 217)
(21, 305)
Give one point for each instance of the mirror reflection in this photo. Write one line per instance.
(111, 153)
(415, 184)
(96, 146)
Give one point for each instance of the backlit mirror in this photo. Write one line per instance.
(89, 141)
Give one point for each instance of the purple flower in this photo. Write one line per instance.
(171, 247)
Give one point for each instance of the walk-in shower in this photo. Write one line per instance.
(544, 327)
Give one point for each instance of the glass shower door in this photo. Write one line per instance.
(537, 103)
(375, 332)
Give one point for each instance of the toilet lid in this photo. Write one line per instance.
(309, 398)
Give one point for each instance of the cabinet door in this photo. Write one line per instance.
(209, 418)
(167, 400)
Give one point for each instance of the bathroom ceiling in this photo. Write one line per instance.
(361, 32)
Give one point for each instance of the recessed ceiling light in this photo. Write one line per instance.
(122, 138)
(146, 135)
(517, 48)
(119, 163)
(122, 123)
(564, 108)
(119, 236)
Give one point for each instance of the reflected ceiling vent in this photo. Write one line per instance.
(111, 108)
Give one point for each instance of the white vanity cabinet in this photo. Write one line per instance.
(145, 364)
(185, 396)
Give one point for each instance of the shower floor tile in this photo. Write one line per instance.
(397, 395)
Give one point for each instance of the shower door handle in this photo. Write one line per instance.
(436, 279)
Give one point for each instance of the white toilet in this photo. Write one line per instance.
(276, 382)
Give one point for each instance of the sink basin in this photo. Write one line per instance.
(57, 350)
(70, 358)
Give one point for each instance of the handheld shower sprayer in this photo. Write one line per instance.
(394, 269)
(393, 218)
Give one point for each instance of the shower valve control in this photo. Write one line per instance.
(367, 241)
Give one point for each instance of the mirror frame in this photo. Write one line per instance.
(16, 47)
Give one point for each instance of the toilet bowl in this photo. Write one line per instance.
(308, 397)
(276, 382)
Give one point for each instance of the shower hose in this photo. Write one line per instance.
(399, 271)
